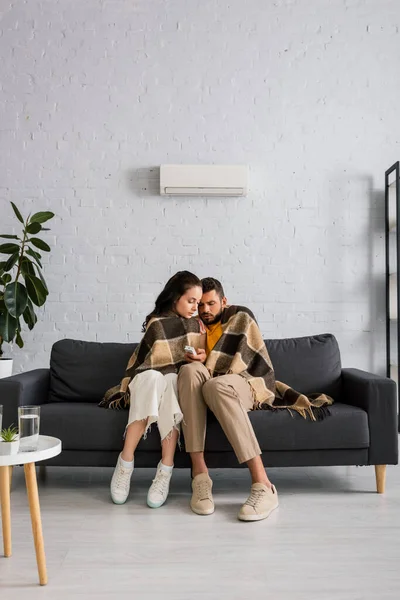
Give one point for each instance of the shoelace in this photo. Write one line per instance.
(123, 477)
(203, 490)
(254, 498)
(160, 482)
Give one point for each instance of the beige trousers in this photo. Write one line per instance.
(229, 397)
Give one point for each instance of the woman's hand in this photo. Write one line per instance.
(200, 356)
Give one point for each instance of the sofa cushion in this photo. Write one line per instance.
(346, 427)
(85, 426)
(308, 364)
(83, 371)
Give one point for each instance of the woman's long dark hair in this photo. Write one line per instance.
(175, 287)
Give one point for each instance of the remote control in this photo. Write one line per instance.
(190, 350)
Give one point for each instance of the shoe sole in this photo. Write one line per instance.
(257, 517)
(204, 512)
(151, 504)
(118, 502)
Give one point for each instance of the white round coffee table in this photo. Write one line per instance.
(47, 448)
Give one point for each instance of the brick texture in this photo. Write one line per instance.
(95, 95)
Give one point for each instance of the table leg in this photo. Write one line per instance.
(5, 508)
(33, 498)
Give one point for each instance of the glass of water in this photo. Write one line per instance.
(28, 423)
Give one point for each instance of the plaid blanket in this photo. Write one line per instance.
(161, 349)
(241, 350)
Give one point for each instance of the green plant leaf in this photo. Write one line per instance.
(11, 261)
(27, 267)
(39, 272)
(2, 265)
(9, 248)
(17, 213)
(34, 228)
(18, 339)
(8, 326)
(36, 291)
(15, 298)
(29, 315)
(40, 244)
(9, 237)
(41, 217)
(9, 434)
(6, 278)
(35, 255)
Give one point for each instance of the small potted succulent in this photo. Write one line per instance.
(9, 441)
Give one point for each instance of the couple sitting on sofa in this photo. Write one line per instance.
(230, 373)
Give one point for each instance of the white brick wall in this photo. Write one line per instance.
(96, 94)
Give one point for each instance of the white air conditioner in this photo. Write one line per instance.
(203, 180)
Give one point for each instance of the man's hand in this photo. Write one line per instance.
(200, 356)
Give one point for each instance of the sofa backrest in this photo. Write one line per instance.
(82, 371)
(308, 364)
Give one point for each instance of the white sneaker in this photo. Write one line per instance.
(120, 483)
(158, 492)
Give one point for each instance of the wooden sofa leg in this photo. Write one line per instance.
(380, 474)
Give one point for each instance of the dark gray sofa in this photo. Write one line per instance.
(362, 428)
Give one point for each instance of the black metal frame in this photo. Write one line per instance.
(393, 169)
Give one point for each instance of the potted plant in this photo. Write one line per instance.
(9, 441)
(22, 285)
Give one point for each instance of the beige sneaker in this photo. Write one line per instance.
(260, 504)
(202, 502)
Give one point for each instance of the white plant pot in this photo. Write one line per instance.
(6, 365)
(8, 448)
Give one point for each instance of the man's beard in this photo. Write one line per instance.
(216, 319)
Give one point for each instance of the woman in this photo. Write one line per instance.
(150, 384)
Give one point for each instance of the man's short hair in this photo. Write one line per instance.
(209, 284)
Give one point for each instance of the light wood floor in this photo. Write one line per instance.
(333, 537)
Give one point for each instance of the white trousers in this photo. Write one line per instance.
(154, 396)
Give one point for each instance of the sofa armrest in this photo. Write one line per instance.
(23, 389)
(377, 396)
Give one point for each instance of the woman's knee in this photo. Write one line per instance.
(146, 378)
(150, 374)
(146, 383)
(171, 379)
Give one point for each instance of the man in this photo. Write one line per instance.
(229, 397)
